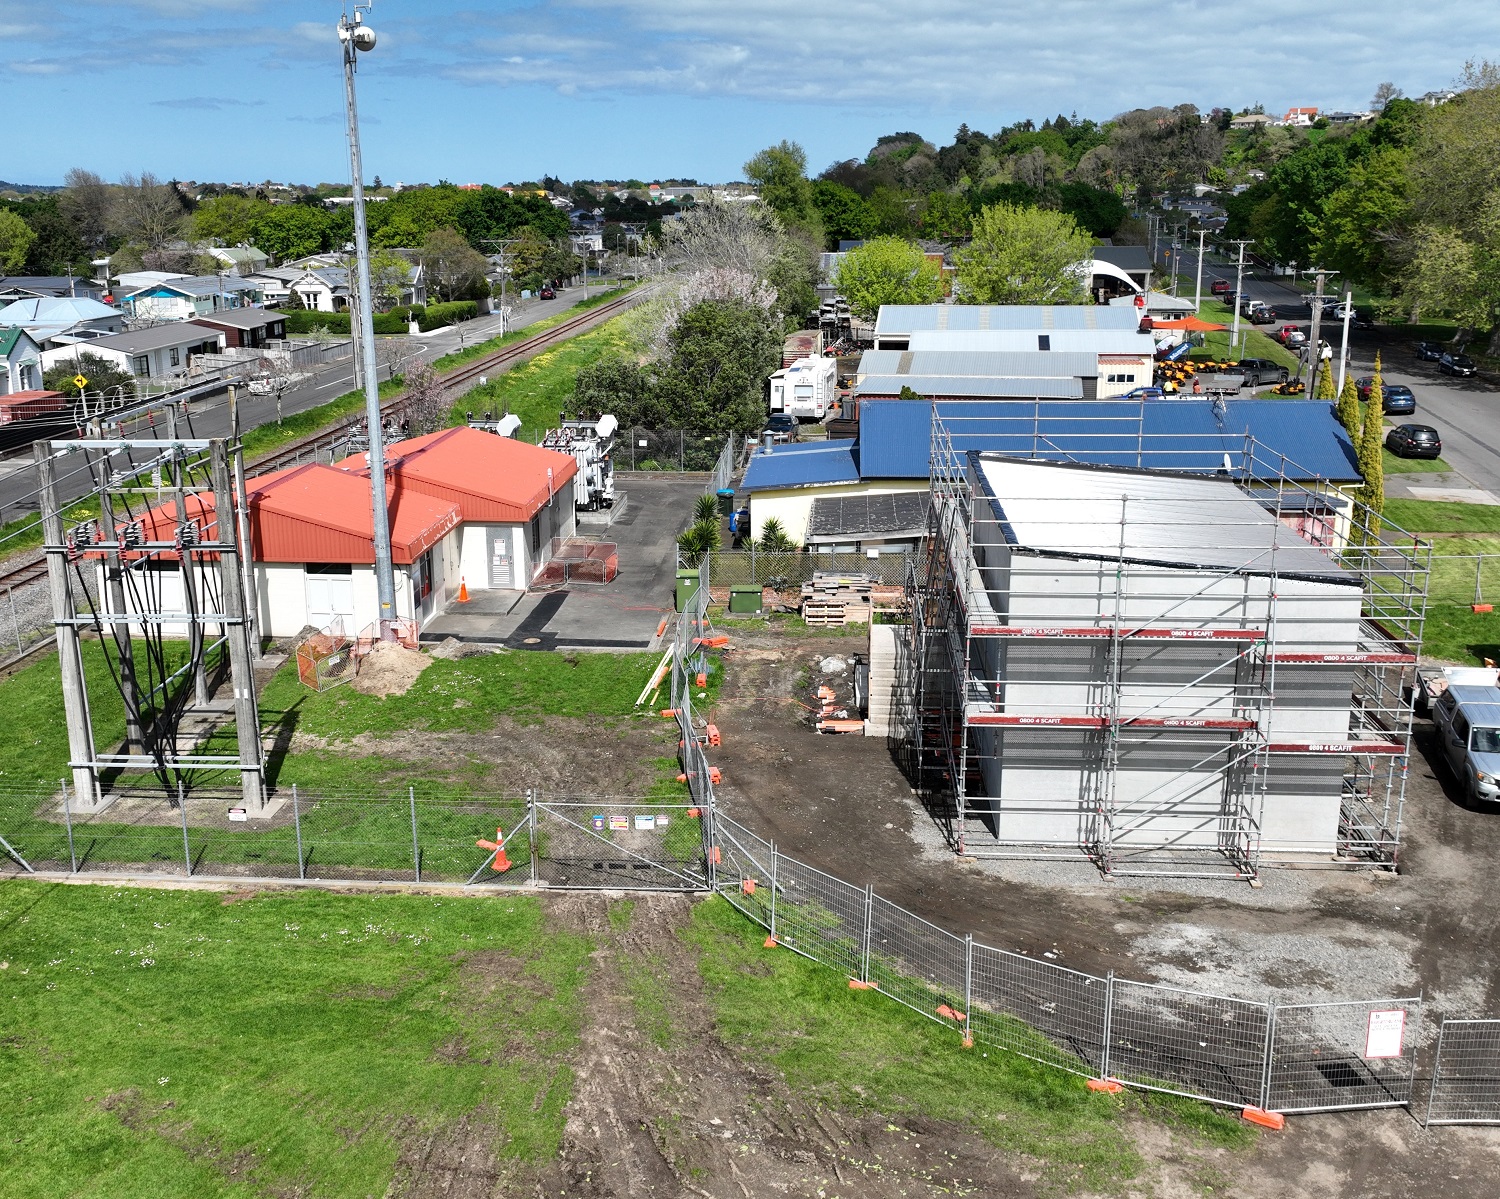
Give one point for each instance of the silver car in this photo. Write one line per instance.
(1468, 724)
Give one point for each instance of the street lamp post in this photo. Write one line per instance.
(356, 37)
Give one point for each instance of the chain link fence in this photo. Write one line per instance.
(1465, 578)
(668, 449)
(783, 570)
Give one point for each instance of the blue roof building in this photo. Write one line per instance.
(1252, 441)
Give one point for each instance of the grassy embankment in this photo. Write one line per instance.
(170, 1044)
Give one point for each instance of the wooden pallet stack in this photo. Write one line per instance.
(837, 599)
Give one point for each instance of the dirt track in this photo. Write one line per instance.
(840, 804)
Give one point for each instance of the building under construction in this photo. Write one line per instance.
(1194, 670)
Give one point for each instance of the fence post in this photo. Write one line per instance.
(10, 594)
(1478, 570)
(1265, 1069)
(416, 846)
(1437, 1075)
(864, 956)
(68, 820)
(531, 829)
(773, 891)
(297, 820)
(1109, 1010)
(968, 990)
(187, 852)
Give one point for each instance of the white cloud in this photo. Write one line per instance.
(37, 67)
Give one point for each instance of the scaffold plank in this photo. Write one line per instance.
(1357, 659)
(1151, 634)
(1390, 748)
(1099, 722)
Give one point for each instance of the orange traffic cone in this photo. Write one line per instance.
(501, 863)
(463, 590)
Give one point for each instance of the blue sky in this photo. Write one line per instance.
(492, 91)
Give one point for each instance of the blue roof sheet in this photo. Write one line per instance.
(811, 465)
(1182, 435)
(896, 319)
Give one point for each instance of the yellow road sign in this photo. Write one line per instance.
(79, 382)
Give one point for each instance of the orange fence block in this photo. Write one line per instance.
(1108, 1085)
(715, 775)
(856, 985)
(1273, 1120)
(747, 885)
(713, 735)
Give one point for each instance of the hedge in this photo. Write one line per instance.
(305, 320)
(438, 315)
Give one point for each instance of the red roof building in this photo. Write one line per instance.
(24, 405)
(493, 480)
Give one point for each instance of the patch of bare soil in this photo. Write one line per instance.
(131, 1108)
(683, 1115)
(389, 669)
(559, 755)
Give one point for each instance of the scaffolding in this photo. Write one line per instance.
(1174, 654)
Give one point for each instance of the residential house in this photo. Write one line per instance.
(1251, 120)
(1299, 118)
(322, 289)
(1433, 99)
(21, 360)
(896, 324)
(192, 296)
(36, 287)
(247, 328)
(48, 320)
(243, 260)
(131, 281)
(161, 351)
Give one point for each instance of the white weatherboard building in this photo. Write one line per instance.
(1131, 663)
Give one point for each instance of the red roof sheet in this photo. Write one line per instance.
(494, 480)
(322, 514)
(315, 514)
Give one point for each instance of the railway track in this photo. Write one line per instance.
(30, 570)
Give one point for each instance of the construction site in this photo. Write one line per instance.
(1171, 654)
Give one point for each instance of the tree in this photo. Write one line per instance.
(16, 237)
(1384, 94)
(773, 538)
(424, 399)
(1348, 408)
(148, 211)
(1371, 461)
(843, 212)
(228, 219)
(1023, 256)
(1325, 379)
(779, 174)
(721, 354)
(102, 374)
(454, 269)
(389, 272)
(86, 201)
(887, 270)
(617, 386)
(288, 231)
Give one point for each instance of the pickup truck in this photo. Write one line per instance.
(1221, 287)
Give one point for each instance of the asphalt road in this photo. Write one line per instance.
(210, 414)
(1465, 412)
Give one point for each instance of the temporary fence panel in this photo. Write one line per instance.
(666, 450)
(916, 963)
(783, 571)
(820, 916)
(610, 843)
(747, 872)
(1038, 1009)
(1466, 1074)
(1187, 1042)
(1337, 1056)
(575, 560)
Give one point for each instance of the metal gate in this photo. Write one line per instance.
(1338, 1056)
(610, 843)
(1466, 1076)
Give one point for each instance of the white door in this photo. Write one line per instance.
(501, 573)
(330, 598)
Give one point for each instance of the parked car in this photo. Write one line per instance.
(1468, 725)
(1429, 351)
(1414, 441)
(1456, 364)
(782, 427)
(1290, 335)
(547, 293)
(1145, 393)
(1259, 370)
(1221, 287)
(1260, 314)
(1395, 398)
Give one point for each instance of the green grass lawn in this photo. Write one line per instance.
(163, 1044)
(1437, 516)
(1411, 466)
(1258, 344)
(537, 391)
(861, 1051)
